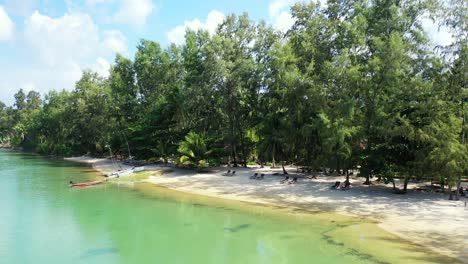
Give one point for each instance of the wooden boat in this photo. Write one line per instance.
(82, 184)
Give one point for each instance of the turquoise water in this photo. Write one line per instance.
(44, 221)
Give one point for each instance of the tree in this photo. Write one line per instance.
(20, 100)
(92, 125)
(231, 44)
(124, 103)
(7, 121)
(193, 150)
(33, 100)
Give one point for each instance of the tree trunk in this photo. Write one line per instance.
(234, 154)
(367, 182)
(450, 192)
(128, 147)
(284, 170)
(274, 164)
(457, 192)
(244, 155)
(405, 185)
(368, 150)
(463, 122)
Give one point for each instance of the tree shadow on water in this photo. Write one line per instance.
(237, 228)
(97, 252)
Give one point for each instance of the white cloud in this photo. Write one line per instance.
(63, 39)
(28, 86)
(278, 6)
(98, 2)
(114, 41)
(134, 11)
(72, 38)
(55, 50)
(37, 77)
(21, 7)
(280, 15)
(6, 26)
(177, 34)
(101, 66)
(439, 36)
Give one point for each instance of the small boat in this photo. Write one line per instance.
(118, 174)
(139, 168)
(82, 184)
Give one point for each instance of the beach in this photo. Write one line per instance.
(415, 216)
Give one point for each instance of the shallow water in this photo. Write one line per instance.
(44, 221)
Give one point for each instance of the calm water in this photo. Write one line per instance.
(44, 221)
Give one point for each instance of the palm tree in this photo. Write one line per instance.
(193, 150)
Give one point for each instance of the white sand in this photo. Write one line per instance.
(103, 165)
(429, 219)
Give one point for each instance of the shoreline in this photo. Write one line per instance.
(414, 216)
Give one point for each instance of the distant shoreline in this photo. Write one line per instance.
(414, 216)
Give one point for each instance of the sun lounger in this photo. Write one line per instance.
(232, 174)
(285, 179)
(254, 176)
(227, 173)
(261, 177)
(294, 181)
(336, 185)
(346, 186)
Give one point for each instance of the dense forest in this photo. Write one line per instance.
(353, 84)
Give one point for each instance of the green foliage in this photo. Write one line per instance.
(193, 151)
(351, 84)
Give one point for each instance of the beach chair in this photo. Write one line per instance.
(294, 181)
(285, 179)
(336, 185)
(261, 177)
(233, 173)
(227, 173)
(346, 186)
(254, 176)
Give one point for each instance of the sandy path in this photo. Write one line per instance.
(429, 219)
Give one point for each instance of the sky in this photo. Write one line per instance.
(46, 44)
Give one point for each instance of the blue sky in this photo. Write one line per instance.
(45, 44)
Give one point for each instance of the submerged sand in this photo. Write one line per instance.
(428, 219)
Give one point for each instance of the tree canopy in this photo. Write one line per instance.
(353, 84)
